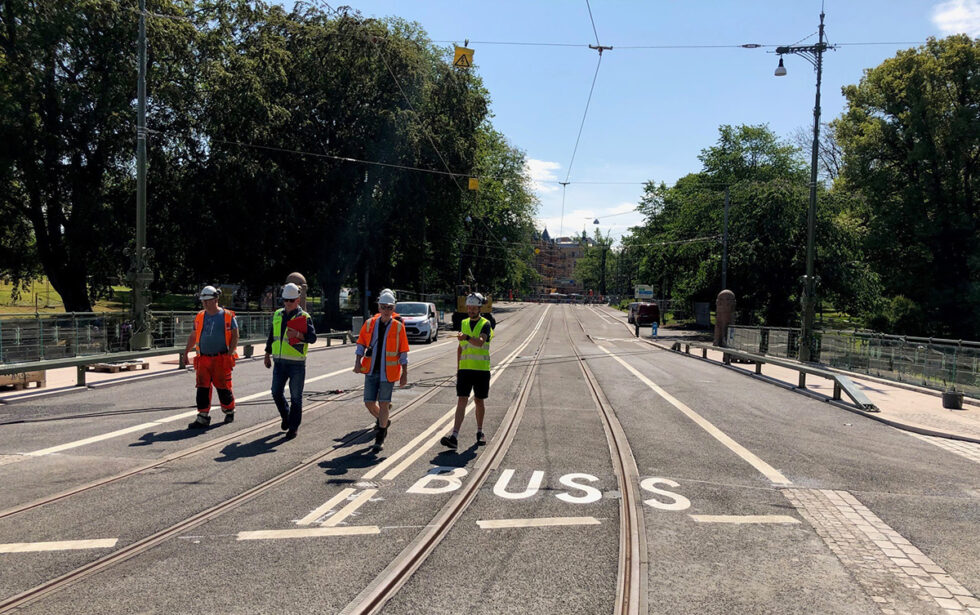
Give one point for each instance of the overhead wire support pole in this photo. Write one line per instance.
(814, 55)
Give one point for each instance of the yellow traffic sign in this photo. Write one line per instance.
(463, 57)
(474, 183)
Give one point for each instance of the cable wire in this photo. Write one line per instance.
(594, 31)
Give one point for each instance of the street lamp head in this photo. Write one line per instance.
(596, 221)
(780, 70)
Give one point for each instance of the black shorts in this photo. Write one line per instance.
(474, 380)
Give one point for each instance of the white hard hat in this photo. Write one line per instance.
(474, 299)
(208, 292)
(387, 297)
(290, 291)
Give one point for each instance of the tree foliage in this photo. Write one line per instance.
(911, 143)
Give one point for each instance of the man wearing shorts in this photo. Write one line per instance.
(382, 356)
(472, 369)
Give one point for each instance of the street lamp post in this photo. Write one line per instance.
(814, 55)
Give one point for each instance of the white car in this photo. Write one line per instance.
(421, 320)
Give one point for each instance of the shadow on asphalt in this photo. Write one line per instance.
(355, 460)
(455, 459)
(177, 435)
(265, 444)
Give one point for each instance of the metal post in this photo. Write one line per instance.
(724, 246)
(140, 274)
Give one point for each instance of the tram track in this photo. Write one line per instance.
(140, 546)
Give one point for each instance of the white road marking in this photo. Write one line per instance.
(326, 507)
(500, 488)
(311, 532)
(346, 511)
(496, 524)
(774, 475)
(739, 519)
(61, 545)
(442, 422)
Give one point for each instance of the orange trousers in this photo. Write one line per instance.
(214, 371)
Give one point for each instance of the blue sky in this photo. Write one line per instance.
(654, 110)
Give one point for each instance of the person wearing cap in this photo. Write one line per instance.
(472, 369)
(382, 356)
(290, 337)
(214, 338)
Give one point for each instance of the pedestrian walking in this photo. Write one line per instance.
(214, 339)
(472, 369)
(382, 356)
(290, 336)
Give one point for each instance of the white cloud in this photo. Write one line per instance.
(542, 171)
(956, 16)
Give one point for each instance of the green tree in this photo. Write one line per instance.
(909, 138)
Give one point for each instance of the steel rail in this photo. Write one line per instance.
(53, 585)
(401, 569)
(631, 585)
(131, 550)
(313, 407)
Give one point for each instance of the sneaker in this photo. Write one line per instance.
(481, 440)
(201, 422)
(230, 417)
(450, 442)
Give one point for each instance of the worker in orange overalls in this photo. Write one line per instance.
(214, 338)
(382, 356)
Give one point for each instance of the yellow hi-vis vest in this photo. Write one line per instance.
(281, 348)
(472, 357)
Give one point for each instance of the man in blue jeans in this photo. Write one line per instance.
(289, 340)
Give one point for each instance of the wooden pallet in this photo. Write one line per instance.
(20, 381)
(112, 368)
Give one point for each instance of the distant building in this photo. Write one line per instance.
(555, 259)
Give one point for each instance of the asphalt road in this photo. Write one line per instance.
(756, 499)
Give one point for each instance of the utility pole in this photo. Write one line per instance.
(140, 274)
(814, 55)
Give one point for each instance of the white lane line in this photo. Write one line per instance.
(326, 507)
(61, 545)
(176, 417)
(496, 524)
(739, 519)
(774, 475)
(312, 532)
(346, 511)
(441, 423)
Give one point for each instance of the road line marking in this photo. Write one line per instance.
(744, 519)
(346, 511)
(311, 532)
(441, 423)
(326, 507)
(774, 475)
(495, 524)
(61, 545)
(176, 417)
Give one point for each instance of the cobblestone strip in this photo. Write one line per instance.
(970, 450)
(897, 576)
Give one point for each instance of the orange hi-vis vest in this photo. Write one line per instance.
(199, 324)
(394, 344)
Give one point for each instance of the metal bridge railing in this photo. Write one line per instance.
(933, 363)
(28, 338)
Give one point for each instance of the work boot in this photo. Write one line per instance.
(450, 442)
(229, 415)
(201, 422)
(379, 439)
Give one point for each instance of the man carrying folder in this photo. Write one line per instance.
(289, 339)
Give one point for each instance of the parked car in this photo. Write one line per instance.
(421, 320)
(643, 314)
